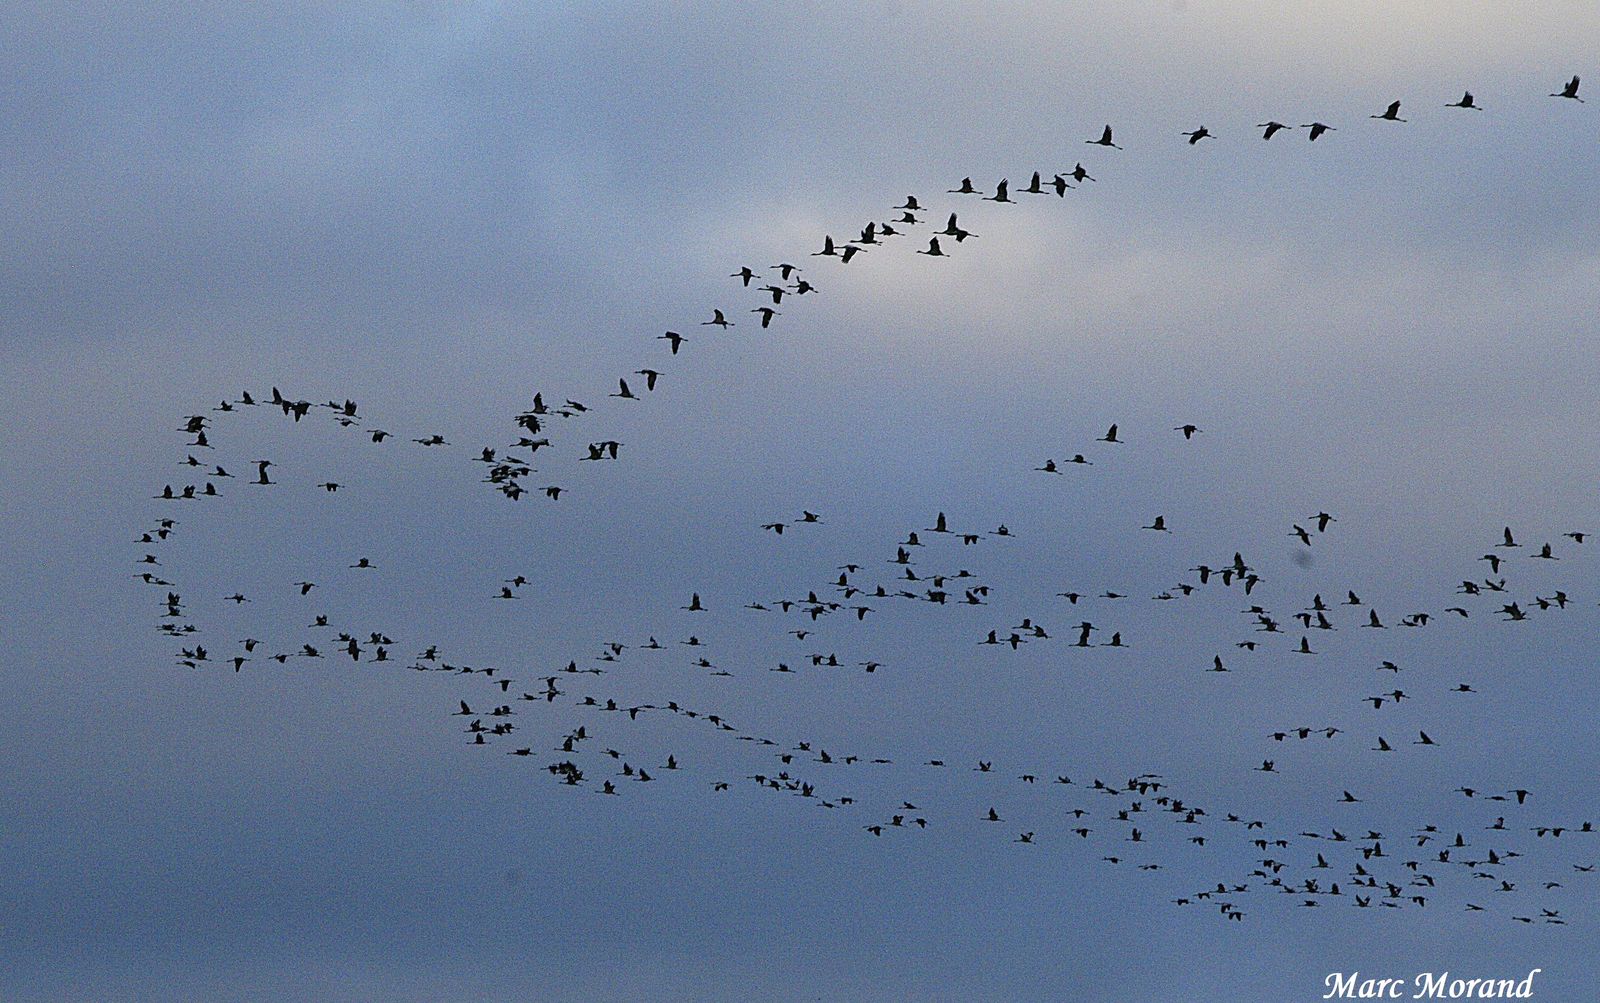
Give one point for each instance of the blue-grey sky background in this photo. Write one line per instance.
(438, 210)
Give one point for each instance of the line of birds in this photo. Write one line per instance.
(876, 233)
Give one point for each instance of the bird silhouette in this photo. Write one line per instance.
(1391, 113)
(1104, 140)
(1568, 90)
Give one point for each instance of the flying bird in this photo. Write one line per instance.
(1104, 140)
(1570, 90)
(1391, 113)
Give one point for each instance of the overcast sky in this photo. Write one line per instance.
(440, 210)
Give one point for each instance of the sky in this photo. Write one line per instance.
(438, 211)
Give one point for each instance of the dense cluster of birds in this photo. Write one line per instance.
(1515, 859)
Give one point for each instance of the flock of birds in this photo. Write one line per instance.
(1512, 852)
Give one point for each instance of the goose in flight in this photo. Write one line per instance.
(1104, 140)
(1569, 91)
(1391, 113)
